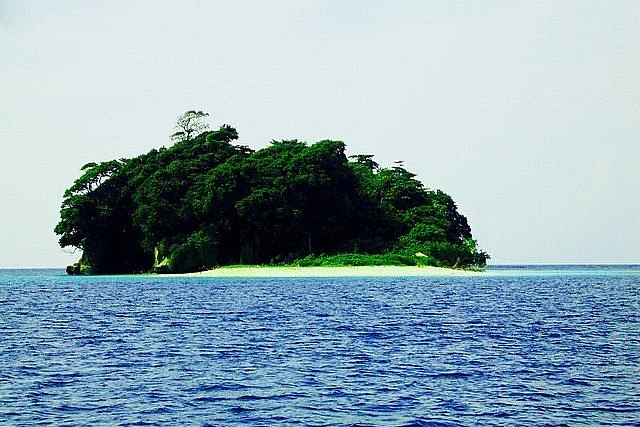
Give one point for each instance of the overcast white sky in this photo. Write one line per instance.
(526, 112)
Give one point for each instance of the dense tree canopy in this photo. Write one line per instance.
(205, 202)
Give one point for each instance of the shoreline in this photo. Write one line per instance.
(351, 271)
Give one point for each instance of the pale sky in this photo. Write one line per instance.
(526, 112)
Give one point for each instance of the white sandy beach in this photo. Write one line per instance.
(367, 271)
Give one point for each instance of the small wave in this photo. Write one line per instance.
(613, 409)
(240, 409)
(577, 381)
(273, 397)
(81, 408)
(452, 374)
(421, 423)
(209, 399)
(322, 314)
(252, 397)
(221, 387)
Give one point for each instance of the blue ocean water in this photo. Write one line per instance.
(521, 345)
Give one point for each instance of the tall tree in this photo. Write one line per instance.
(189, 125)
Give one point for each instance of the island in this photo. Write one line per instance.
(206, 202)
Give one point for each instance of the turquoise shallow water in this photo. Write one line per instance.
(522, 345)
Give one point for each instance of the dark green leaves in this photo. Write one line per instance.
(205, 202)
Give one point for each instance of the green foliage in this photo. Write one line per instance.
(189, 125)
(205, 202)
(197, 253)
(355, 259)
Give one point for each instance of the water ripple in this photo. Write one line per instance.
(559, 348)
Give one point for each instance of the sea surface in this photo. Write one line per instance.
(520, 345)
